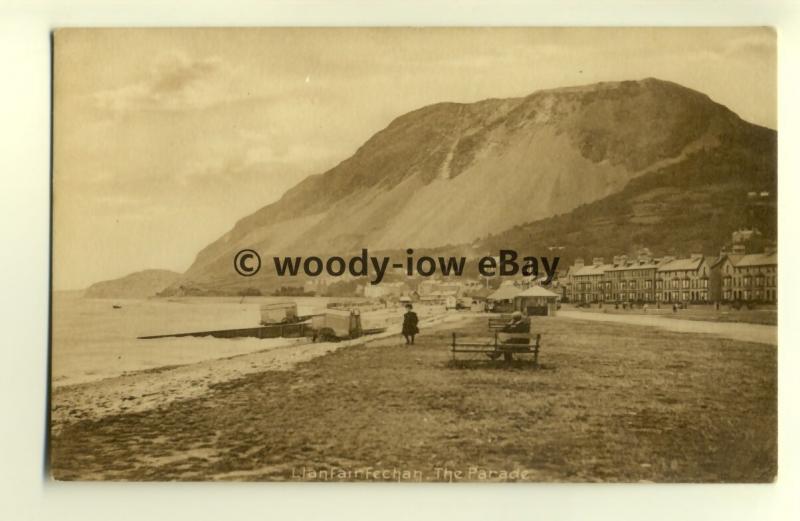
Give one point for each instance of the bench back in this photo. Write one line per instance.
(499, 321)
(499, 324)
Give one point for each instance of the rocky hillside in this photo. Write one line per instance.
(141, 284)
(688, 207)
(453, 173)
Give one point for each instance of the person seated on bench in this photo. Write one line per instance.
(516, 331)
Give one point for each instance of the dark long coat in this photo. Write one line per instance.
(410, 323)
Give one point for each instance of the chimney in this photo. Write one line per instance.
(597, 261)
(579, 262)
(738, 249)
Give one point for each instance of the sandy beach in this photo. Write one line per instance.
(610, 402)
(118, 373)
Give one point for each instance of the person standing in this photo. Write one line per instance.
(410, 321)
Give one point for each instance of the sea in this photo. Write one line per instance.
(93, 339)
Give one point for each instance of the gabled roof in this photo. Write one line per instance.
(505, 293)
(753, 259)
(537, 291)
(590, 269)
(733, 257)
(716, 261)
(688, 264)
(757, 259)
(633, 265)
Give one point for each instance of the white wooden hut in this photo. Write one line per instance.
(536, 300)
(502, 300)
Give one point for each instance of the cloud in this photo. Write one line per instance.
(174, 83)
(757, 40)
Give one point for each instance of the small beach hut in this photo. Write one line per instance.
(502, 300)
(536, 301)
(277, 312)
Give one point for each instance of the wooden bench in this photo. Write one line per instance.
(494, 349)
(499, 322)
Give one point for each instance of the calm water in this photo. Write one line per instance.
(92, 340)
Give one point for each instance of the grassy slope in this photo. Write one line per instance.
(611, 403)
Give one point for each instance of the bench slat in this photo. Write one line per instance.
(505, 349)
(459, 349)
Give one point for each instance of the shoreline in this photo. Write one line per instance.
(147, 389)
(693, 408)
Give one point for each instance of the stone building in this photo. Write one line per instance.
(746, 277)
(631, 280)
(585, 283)
(734, 277)
(683, 280)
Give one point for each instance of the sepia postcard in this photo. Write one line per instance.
(414, 255)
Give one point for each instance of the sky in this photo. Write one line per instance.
(164, 138)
